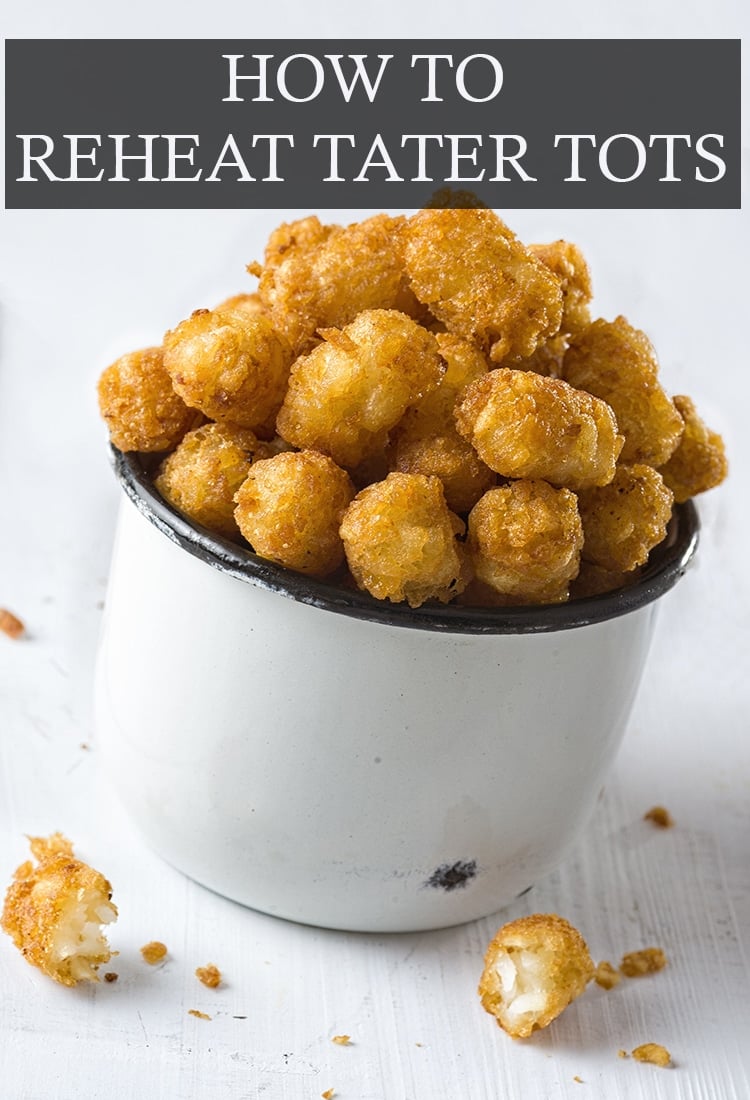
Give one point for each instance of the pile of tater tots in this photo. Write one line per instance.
(421, 407)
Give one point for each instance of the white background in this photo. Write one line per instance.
(79, 288)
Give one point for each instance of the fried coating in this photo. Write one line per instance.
(533, 969)
(11, 625)
(153, 952)
(654, 1053)
(200, 478)
(649, 960)
(54, 912)
(230, 366)
(625, 520)
(209, 976)
(290, 507)
(525, 540)
(568, 263)
(246, 305)
(347, 394)
(140, 406)
(617, 363)
(592, 580)
(699, 462)
(323, 276)
(400, 541)
(606, 976)
(523, 425)
(475, 275)
(660, 817)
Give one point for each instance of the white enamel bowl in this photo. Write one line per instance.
(322, 756)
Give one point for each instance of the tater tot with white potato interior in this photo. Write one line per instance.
(533, 969)
(290, 507)
(525, 540)
(400, 541)
(347, 394)
(231, 365)
(524, 425)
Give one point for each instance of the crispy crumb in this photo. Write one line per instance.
(622, 1053)
(153, 952)
(660, 817)
(578, 1079)
(198, 1015)
(83, 745)
(55, 909)
(11, 625)
(606, 976)
(647, 961)
(654, 1053)
(110, 976)
(342, 1040)
(328, 1094)
(209, 975)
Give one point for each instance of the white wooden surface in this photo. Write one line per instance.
(77, 289)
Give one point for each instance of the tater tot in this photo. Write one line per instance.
(325, 280)
(625, 520)
(346, 395)
(201, 477)
(400, 541)
(290, 507)
(425, 441)
(617, 363)
(593, 580)
(700, 462)
(231, 367)
(533, 969)
(567, 262)
(525, 425)
(140, 406)
(475, 275)
(247, 305)
(525, 540)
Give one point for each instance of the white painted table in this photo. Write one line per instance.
(78, 289)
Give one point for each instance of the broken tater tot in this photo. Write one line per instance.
(201, 477)
(54, 912)
(567, 262)
(425, 440)
(140, 406)
(699, 463)
(625, 520)
(347, 394)
(533, 969)
(290, 507)
(524, 425)
(475, 275)
(524, 541)
(328, 275)
(617, 363)
(229, 365)
(400, 541)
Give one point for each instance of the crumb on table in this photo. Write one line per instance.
(578, 1079)
(660, 817)
(654, 1053)
(342, 1040)
(11, 625)
(153, 952)
(637, 963)
(110, 976)
(209, 975)
(622, 1053)
(198, 1015)
(328, 1094)
(606, 976)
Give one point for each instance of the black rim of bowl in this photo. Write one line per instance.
(668, 562)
